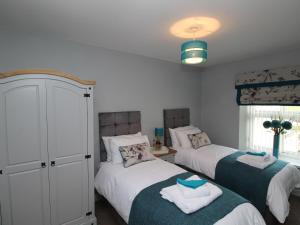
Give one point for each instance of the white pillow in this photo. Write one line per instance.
(175, 142)
(182, 136)
(174, 139)
(118, 142)
(106, 141)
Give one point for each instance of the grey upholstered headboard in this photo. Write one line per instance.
(117, 123)
(175, 118)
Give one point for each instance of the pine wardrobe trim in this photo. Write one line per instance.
(48, 72)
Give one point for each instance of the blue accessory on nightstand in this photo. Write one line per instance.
(159, 132)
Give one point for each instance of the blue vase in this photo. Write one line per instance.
(276, 145)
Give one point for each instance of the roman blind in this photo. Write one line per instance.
(280, 86)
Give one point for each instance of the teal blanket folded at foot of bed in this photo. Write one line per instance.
(250, 182)
(149, 208)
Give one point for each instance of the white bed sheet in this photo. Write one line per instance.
(206, 158)
(121, 185)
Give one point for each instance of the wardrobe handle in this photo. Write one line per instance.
(52, 163)
(43, 165)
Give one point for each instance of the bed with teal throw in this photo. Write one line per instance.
(250, 182)
(163, 212)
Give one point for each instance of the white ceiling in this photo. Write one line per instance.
(248, 27)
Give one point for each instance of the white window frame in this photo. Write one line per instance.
(246, 139)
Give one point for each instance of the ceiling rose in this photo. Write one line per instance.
(195, 27)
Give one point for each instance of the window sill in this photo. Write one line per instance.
(293, 161)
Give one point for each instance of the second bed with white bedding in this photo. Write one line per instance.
(206, 158)
(121, 185)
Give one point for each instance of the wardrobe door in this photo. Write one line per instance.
(67, 144)
(24, 177)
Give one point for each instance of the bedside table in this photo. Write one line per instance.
(169, 156)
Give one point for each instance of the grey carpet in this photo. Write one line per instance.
(106, 214)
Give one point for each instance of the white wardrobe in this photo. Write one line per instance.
(46, 149)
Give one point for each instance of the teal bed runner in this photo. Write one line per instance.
(149, 208)
(250, 182)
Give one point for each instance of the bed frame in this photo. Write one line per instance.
(175, 118)
(117, 123)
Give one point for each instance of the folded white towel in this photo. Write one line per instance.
(264, 158)
(247, 159)
(194, 193)
(190, 205)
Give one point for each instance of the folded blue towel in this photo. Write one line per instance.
(256, 153)
(191, 183)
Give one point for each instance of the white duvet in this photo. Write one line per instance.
(205, 160)
(121, 185)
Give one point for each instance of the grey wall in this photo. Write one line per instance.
(130, 82)
(124, 81)
(219, 110)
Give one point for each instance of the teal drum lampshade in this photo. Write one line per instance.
(159, 132)
(193, 52)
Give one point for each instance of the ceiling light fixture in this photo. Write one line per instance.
(195, 51)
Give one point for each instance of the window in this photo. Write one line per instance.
(253, 136)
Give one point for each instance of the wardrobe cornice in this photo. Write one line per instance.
(46, 71)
